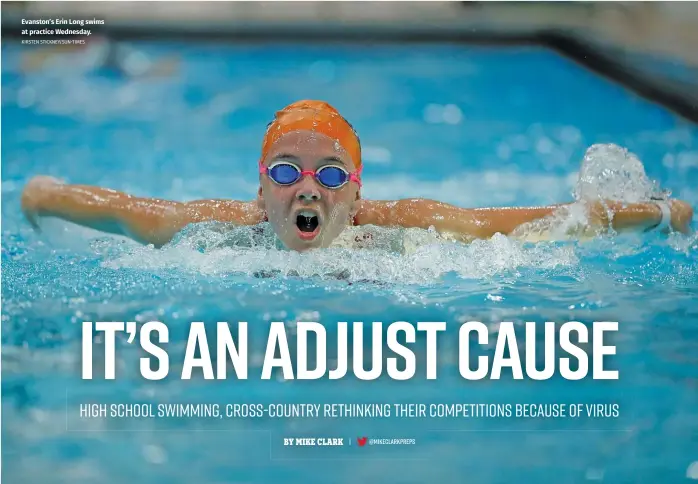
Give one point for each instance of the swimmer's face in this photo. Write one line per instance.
(307, 215)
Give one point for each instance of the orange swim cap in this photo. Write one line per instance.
(316, 116)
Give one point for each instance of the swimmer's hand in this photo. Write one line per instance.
(146, 220)
(640, 216)
(681, 216)
(34, 197)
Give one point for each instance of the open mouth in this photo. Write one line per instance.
(308, 224)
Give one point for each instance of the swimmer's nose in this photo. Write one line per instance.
(308, 192)
(308, 196)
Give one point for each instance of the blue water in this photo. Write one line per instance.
(469, 126)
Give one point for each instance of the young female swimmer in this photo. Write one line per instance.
(310, 180)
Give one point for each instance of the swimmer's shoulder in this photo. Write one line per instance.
(373, 212)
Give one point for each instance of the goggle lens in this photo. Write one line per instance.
(284, 174)
(332, 176)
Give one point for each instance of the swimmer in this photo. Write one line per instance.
(310, 192)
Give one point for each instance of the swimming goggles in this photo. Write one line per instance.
(329, 176)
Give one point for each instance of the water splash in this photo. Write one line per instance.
(608, 172)
(611, 172)
(409, 256)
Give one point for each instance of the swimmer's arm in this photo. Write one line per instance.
(481, 223)
(146, 220)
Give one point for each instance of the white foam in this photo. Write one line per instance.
(395, 256)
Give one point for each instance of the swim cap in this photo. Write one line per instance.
(316, 116)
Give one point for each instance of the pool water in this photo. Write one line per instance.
(469, 126)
